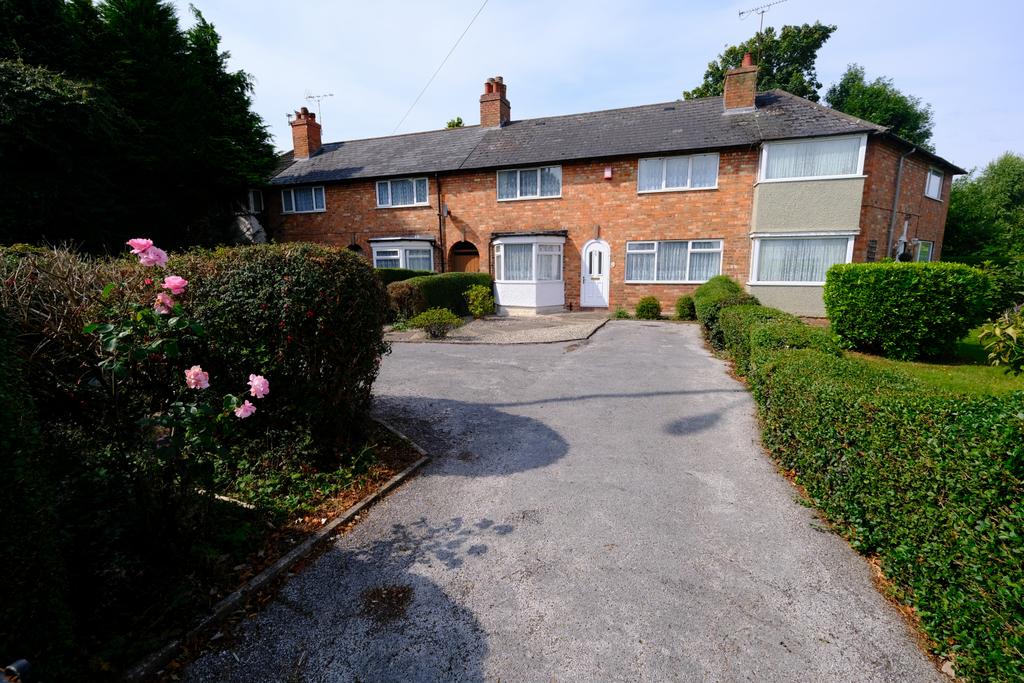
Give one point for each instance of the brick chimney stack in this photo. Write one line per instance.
(305, 134)
(741, 87)
(494, 108)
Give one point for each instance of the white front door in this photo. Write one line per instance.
(596, 262)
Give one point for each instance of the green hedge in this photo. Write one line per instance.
(389, 275)
(685, 309)
(442, 290)
(930, 483)
(711, 297)
(906, 310)
(736, 323)
(648, 308)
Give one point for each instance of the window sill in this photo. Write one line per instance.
(816, 177)
(786, 284)
(665, 282)
(406, 206)
(934, 199)
(299, 213)
(528, 199)
(678, 189)
(528, 282)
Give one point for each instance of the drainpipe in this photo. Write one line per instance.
(895, 203)
(440, 224)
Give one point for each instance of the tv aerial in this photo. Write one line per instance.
(318, 99)
(759, 10)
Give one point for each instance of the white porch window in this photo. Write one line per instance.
(837, 157)
(933, 184)
(411, 254)
(303, 200)
(675, 261)
(402, 192)
(800, 260)
(519, 261)
(530, 183)
(666, 174)
(528, 272)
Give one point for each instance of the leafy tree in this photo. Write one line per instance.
(454, 123)
(986, 214)
(785, 60)
(880, 102)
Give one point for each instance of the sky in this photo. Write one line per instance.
(567, 56)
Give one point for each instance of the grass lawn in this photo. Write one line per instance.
(968, 372)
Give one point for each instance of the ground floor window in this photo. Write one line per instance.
(673, 260)
(411, 255)
(792, 259)
(924, 250)
(527, 262)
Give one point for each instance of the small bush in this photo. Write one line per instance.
(648, 308)
(444, 290)
(405, 299)
(685, 309)
(389, 275)
(480, 300)
(621, 313)
(436, 322)
(1007, 286)
(711, 297)
(736, 323)
(1004, 340)
(906, 310)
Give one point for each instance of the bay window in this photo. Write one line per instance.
(801, 260)
(836, 157)
(519, 261)
(674, 261)
(665, 174)
(302, 200)
(414, 254)
(530, 183)
(402, 192)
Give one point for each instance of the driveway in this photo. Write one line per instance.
(595, 511)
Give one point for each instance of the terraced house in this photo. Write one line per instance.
(599, 209)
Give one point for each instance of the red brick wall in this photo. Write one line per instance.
(927, 215)
(589, 204)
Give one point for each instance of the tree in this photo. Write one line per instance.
(986, 214)
(785, 61)
(454, 123)
(880, 102)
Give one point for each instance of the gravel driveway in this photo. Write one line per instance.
(596, 511)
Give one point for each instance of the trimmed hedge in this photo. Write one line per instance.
(931, 483)
(389, 275)
(441, 290)
(736, 323)
(685, 309)
(648, 308)
(906, 310)
(711, 297)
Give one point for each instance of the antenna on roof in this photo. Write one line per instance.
(744, 13)
(318, 99)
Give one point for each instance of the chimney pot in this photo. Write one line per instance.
(748, 59)
(305, 134)
(495, 109)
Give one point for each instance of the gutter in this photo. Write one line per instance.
(895, 203)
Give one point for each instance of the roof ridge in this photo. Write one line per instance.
(830, 110)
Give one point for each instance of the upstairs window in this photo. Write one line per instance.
(530, 183)
(402, 192)
(302, 200)
(817, 158)
(665, 174)
(933, 184)
(673, 261)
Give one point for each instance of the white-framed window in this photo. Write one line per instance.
(814, 158)
(527, 262)
(404, 254)
(924, 250)
(530, 183)
(255, 199)
(673, 261)
(303, 200)
(933, 184)
(402, 192)
(668, 174)
(798, 259)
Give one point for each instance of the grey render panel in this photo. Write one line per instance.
(796, 299)
(808, 205)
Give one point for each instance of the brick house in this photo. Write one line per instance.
(599, 209)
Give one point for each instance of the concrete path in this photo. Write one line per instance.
(597, 511)
(556, 327)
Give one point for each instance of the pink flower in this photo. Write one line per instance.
(139, 245)
(163, 304)
(176, 284)
(245, 410)
(258, 386)
(154, 256)
(195, 378)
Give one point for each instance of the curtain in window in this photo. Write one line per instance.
(386, 259)
(318, 198)
(303, 199)
(551, 181)
(650, 174)
(287, 203)
(418, 259)
(402, 193)
(528, 184)
(382, 194)
(677, 172)
(800, 259)
(498, 275)
(639, 266)
(421, 191)
(813, 158)
(549, 262)
(705, 265)
(671, 261)
(518, 261)
(704, 171)
(507, 184)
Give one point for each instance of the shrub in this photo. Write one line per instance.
(443, 290)
(777, 335)
(1007, 286)
(648, 308)
(928, 482)
(621, 313)
(1004, 340)
(405, 300)
(685, 309)
(480, 300)
(711, 297)
(736, 323)
(436, 322)
(389, 275)
(906, 310)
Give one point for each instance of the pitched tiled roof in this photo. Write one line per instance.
(680, 126)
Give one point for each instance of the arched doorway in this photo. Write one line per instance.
(355, 247)
(463, 257)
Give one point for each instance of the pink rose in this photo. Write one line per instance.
(154, 256)
(258, 386)
(195, 378)
(163, 304)
(245, 410)
(139, 245)
(176, 284)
